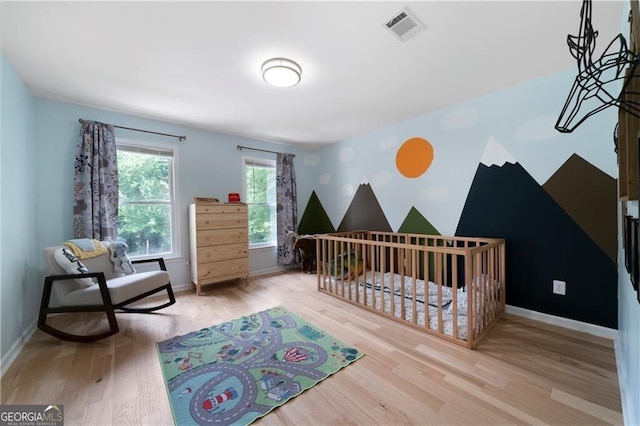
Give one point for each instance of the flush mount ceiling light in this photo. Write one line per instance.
(281, 72)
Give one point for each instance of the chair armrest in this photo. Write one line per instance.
(160, 261)
(99, 276)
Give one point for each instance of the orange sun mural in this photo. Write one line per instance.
(414, 157)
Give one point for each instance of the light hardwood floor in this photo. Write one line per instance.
(523, 372)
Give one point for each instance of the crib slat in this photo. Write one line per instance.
(470, 289)
(380, 289)
(392, 273)
(477, 308)
(319, 265)
(454, 287)
(439, 281)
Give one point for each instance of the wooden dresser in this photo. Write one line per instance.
(218, 242)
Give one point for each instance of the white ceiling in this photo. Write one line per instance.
(198, 63)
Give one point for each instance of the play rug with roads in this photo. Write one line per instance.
(240, 370)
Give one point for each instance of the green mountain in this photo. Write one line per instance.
(314, 220)
(415, 223)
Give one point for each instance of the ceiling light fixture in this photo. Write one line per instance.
(281, 72)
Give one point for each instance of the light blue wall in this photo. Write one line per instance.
(208, 165)
(521, 118)
(20, 285)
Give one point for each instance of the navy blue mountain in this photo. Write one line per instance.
(543, 243)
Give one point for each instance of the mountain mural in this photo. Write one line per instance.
(416, 223)
(364, 212)
(315, 220)
(589, 196)
(543, 243)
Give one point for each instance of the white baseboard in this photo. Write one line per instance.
(272, 270)
(181, 287)
(16, 348)
(596, 330)
(628, 408)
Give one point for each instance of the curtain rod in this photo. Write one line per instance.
(240, 147)
(180, 138)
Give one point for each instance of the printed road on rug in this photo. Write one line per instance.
(235, 372)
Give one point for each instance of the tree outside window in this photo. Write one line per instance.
(146, 205)
(260, 190)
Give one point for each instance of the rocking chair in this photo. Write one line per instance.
(98, 290)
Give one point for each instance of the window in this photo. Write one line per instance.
(146, 210)
(260, 195)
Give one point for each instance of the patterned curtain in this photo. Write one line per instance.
(95, 183)
(287, 207)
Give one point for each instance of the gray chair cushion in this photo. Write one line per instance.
(120, 289)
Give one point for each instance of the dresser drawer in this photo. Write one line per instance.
(222, 208)
(213, 271)
(210, 237)
(222, 252)
(215, 221)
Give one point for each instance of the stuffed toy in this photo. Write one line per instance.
(121, 262)
(347, 266)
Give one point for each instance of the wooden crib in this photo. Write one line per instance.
(450, 287)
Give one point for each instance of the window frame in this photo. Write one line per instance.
(149, 148)
(267, 162)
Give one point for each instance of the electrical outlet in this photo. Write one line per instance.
(559, 287)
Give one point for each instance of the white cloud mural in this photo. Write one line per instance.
(312, 159)
(537, 129)
(434, 193)
(382, 179)
(347, 190)
(325, 179)
(346, 154)
(388, 143)
(459, 119)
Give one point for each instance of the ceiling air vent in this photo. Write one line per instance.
(404, 25)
